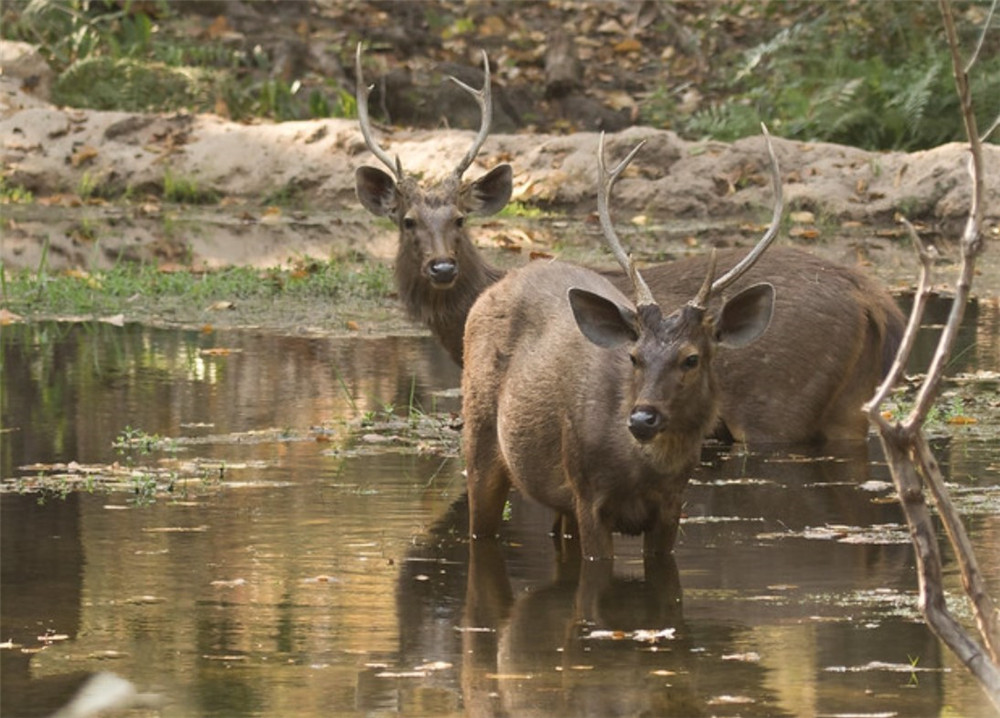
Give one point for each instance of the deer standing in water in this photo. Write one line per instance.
(590, 403)
(833, 337)
(439, 273)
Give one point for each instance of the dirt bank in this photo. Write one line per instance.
(62, 156)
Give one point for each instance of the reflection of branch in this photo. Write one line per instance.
(910, 459)
(987, 617)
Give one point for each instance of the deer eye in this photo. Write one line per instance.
(690, 361)
(460, 221)
(634, 359)
(409, 223)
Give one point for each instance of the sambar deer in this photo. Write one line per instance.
(590, 403)
(439, 272)
(831, 342)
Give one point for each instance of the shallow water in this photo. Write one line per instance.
(309, 558)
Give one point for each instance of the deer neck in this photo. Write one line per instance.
(444, 311)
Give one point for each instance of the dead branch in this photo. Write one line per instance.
(911, 462)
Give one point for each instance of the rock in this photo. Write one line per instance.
(22, 62)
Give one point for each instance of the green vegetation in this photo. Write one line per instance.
(14, 193)
(115, 290)
(131, 444)
(518, 209)
(875, 75)
(110, 54)
(185, 190)
(870, 74)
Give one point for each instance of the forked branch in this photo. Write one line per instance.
(911, 462)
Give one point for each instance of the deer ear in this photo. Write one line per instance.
(490, 193)
(746, 316)
(604, 322)
(377, 191)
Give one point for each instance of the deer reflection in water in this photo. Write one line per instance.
(535, 630)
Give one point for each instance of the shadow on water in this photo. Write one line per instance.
(331, 573)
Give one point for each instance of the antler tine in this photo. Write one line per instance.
(366, 129)
(748, 261)
(484, 98)
(605, 181)
(705, 292)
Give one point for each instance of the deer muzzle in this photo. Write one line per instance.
(645, 422)
(442, 272)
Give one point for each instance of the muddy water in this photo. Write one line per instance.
(302, 551)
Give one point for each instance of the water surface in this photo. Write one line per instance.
(313, 563)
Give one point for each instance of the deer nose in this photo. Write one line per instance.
(442, 271)
(645, 422)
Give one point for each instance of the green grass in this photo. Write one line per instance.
(108, 292)
(14, 193)
(186, 190)
(523, 211)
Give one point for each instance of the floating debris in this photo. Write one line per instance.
(888, 667)
(641, 635)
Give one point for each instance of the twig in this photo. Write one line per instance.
(982, 37)
(920, 298)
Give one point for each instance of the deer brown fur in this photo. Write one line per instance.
(833, 338)
(591, 403)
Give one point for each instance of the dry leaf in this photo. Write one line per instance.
(218, 28)
(83, 155)
(8, 317)
(217, 351)
(270, 215)
(803, 233)
(629, 44)
(118, 320)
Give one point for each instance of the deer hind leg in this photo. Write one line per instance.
(488, 481)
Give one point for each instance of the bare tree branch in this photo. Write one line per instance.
(872, 408)
(991, 129)
(982, 37)
(911, 462)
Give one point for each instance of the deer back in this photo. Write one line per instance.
(831, 340)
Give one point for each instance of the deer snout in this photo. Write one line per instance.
(645, 422)
(442, 271)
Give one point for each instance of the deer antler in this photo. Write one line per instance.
(362, 97)
(605, 181)
(723, 282)
(484, 98)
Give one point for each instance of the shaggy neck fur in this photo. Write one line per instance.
(444, 311)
